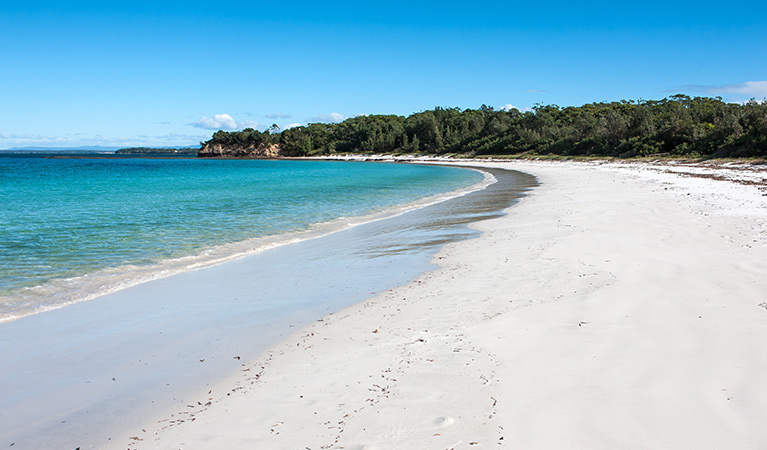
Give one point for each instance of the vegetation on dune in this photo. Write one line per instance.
(678, 126)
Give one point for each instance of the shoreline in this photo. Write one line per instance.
(614, 306)
(119, 360)
(93, 285)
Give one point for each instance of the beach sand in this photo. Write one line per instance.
(616, 306)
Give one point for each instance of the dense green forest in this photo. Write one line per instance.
(678, 126)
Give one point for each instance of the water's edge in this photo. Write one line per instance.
(60, 293)
(165, 341)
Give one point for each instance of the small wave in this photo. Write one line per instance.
(59, 293)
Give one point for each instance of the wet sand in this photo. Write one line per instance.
(87, 374)
(617, 306)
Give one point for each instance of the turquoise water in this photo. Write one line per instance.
(75, 228)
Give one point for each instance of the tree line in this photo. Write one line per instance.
(678, 126)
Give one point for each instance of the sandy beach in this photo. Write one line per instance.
(616, 306)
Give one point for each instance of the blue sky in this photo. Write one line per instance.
(170, 73)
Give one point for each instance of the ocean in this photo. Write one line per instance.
(77, 226)
(193, 268)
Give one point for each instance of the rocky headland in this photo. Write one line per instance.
(218, 150)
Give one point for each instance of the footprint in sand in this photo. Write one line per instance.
(444, 422)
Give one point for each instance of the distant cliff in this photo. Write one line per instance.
(248, 143)
(239, 150)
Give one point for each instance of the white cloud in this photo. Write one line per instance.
(751, 88)
(741, 91)
(223, 122)
(509, 107)
(217, 122)
(278, 115)
(332, 117)
(291, 125)
(83, 140)
(13, 139)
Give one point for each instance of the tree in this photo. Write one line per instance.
(678, 125)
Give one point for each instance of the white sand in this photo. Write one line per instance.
(618, 306)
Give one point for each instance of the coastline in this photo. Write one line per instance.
(63, 292)
(121, 359)
(618, 305)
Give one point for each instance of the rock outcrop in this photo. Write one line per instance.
(261, 151)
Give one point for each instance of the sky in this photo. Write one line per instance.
(165, 74)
